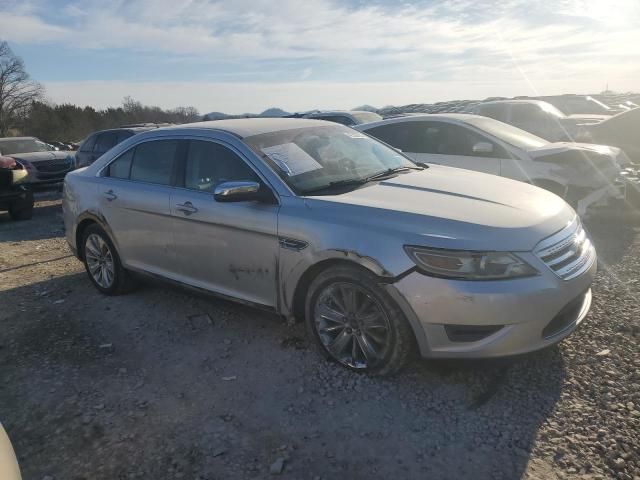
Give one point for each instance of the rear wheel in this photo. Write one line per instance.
(102, 262)
(356, 323)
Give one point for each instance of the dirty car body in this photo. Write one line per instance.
(402, 227)
(43, 164)
(583, 174)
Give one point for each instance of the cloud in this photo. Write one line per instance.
(532, 44)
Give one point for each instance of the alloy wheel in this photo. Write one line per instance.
(99, 260)
(352, 325)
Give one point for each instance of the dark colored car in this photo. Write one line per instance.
(101, 141)
(44, 165)
(15, 196)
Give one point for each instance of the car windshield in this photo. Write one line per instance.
(508, 133)
(22, 145)
(366, 117)
(308, 159)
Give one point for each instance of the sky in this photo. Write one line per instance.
(238, 56)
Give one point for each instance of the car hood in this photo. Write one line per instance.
(560, 147)
(35, 157)
(446, 207)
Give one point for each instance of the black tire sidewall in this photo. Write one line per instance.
(394, 359)
(118, 273)
(22, 209)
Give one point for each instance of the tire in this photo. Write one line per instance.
(22, 209)
(379, 328)
(98, 247)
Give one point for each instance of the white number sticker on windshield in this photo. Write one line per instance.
(291, 159)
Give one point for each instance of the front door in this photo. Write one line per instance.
(227, 247)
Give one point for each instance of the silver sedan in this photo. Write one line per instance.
(319, 222)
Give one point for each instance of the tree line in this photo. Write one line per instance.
(24, 110)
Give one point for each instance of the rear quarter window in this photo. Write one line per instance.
(88, 144)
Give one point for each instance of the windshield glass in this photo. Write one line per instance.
(508, 133)
(312, 158)
(22, 145)
(366, 117)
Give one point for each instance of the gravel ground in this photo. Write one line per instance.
(164, 384)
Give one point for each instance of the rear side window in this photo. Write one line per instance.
(122, 136)
(498, 112)
(153, 162)
(526, 113)
(88, 144)
(105, 142)
(407, 136)
(121, 167)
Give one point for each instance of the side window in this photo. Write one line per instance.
(122, 136)
(121, 166)
(209, 164)
(523, 113)
(153, 162)
(88, 144)
(104, 142)
(449, 139)
(403, 135)
(496, 111)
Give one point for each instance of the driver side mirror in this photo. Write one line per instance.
(239, 191)
(483, 147)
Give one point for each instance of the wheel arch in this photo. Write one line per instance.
(85, 220)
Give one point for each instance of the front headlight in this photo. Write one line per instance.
(469, 265)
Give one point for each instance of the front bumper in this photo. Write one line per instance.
(500, 318)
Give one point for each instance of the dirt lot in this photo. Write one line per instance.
(164, 384)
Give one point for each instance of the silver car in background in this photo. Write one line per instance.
(317, 221)
(583, 174)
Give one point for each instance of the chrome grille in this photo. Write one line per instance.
(51, 166)
(568, 253)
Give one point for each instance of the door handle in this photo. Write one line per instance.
(110, 196)
(187, 208)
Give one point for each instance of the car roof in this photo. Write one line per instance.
(247, 127)
(460, 117)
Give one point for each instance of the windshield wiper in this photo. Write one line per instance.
(390, 171)
(349, 182)
(336, 184)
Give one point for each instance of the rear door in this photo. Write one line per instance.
(229, 248)
(135, 195)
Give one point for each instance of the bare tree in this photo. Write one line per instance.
(17, 90)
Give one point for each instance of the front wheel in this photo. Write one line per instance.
(356, 323)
